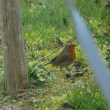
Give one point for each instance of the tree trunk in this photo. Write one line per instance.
(0, 19)
(13, 47)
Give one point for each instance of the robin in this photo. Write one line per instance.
(66, 57)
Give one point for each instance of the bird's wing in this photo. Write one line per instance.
(60, 59)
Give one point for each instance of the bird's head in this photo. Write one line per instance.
(70, 47)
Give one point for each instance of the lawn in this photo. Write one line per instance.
(42, 20)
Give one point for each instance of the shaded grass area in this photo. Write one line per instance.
(48, 97)
(81, 94)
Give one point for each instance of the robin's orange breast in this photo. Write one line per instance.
(72, 54)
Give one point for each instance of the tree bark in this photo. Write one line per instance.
(0, 19)
(13, 47)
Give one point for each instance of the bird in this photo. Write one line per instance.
(65, 58)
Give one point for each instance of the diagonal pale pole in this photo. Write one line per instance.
(96, 61)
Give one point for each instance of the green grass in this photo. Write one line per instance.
(86, 96)
(42, 20)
